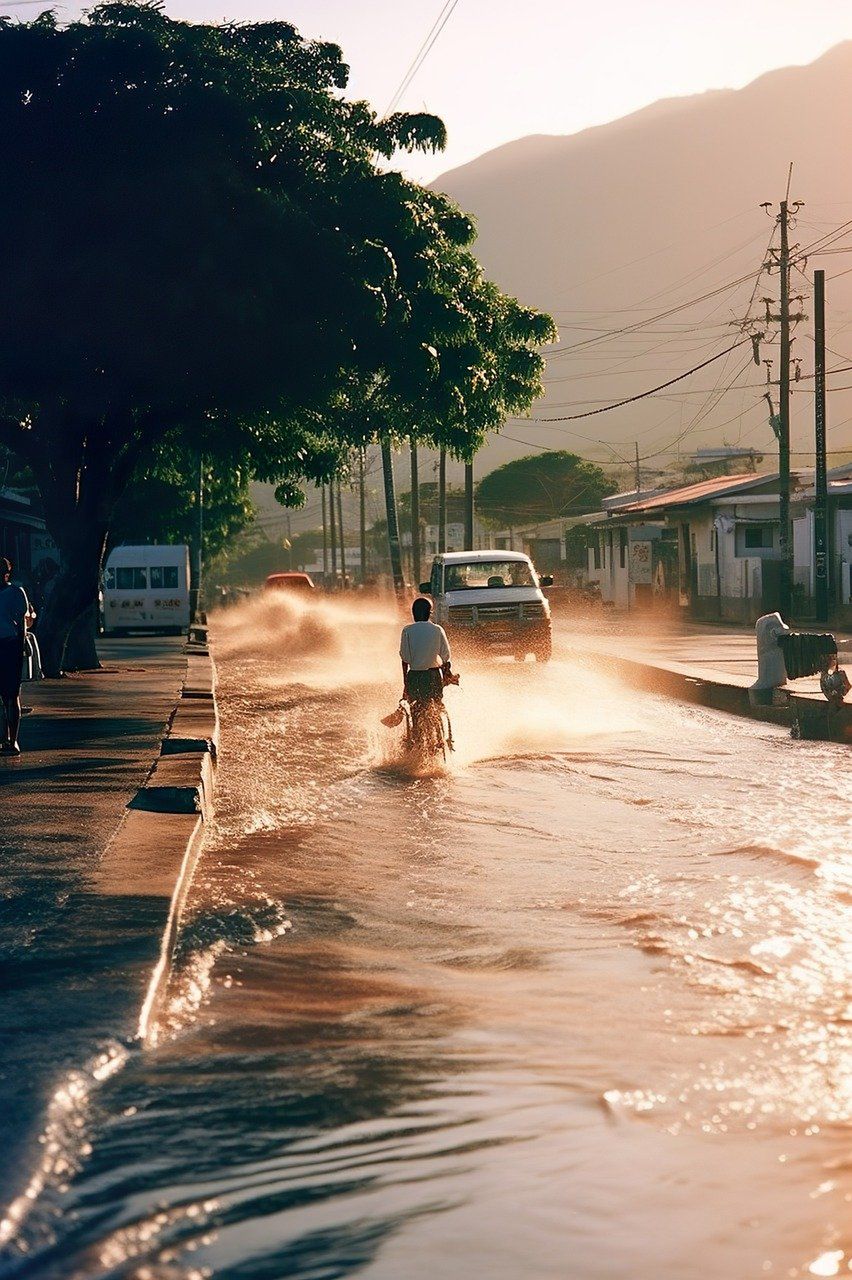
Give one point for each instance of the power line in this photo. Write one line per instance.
(422, 53)
(618, 404)
(639, 324)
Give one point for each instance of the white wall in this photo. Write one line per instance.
(843, 536)
(803, 551)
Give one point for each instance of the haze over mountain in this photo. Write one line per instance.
(622, 222)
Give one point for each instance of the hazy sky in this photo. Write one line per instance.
(503, 68)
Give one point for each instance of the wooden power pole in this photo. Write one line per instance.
(362, 514)
(393, 523)
(468, 506)
(785, 532)
(340, 533)
(442, 501)
(781, 421)
(415, 516)
(821, 557)
(324, 539)
(332, 535)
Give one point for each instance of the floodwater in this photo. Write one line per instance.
(577, 1006)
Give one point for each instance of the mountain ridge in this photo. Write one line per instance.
(646, 212)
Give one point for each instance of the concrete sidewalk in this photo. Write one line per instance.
(71, 956)
(711, 666)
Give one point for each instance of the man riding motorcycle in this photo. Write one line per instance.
(425, 654)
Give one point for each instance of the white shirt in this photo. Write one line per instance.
(424, 645)
(14, 607)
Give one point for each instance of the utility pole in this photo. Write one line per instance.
(781, 421)
(332, 535)
(785, 539)
(821, 560)
(468, 506)
(393, 523)
(197, 555)
(638, 469)
(415, 516)
(340, 532)
(442, 501)
(324, 540)
(362, 514)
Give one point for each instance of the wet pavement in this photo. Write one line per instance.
(573, 1006)
(87, 743)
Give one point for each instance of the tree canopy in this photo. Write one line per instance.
(541, 486)
(161, 502)
(202, 240)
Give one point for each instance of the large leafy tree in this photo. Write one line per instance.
(541, 486)
(202, 242)
(161, 502)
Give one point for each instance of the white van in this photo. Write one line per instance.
(491, 600)
(146, 589)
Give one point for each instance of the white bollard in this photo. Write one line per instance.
(771, 672)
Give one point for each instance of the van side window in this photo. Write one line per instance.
(164, 577)
(131, 579)
(110, 580)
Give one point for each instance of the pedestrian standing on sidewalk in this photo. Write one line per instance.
(14, 608)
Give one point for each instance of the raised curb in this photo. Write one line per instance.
(812, 716)
(155, 850)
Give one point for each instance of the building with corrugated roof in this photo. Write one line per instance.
(712, 549)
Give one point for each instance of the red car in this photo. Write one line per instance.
(289, 582)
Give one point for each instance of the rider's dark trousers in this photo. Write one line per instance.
(421, 686)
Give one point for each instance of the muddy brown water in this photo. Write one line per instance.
(575, 1007)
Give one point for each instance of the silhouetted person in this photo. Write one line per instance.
(14, 609)
(425, 653)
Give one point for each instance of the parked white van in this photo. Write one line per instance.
(146, 589)
(491, 600)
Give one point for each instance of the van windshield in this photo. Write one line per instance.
(467, 576)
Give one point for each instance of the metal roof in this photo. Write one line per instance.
(692, 494)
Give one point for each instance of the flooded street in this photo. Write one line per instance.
(576, 1007)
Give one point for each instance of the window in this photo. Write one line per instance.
(757, 536)
(757, 539)
(622, 548)
(164, 577)
(127, 579)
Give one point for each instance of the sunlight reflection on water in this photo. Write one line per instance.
(578, 1004)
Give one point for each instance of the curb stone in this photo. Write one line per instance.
(155, 850)
(807, 714)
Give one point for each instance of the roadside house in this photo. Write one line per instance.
(711, 549)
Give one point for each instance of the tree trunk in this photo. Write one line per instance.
(66, 628)
(82, 466)
(78, 492)
(81, 652)
(393, 524)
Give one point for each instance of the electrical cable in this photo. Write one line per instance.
(639, 324)
(618, 404)
(422, 53)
